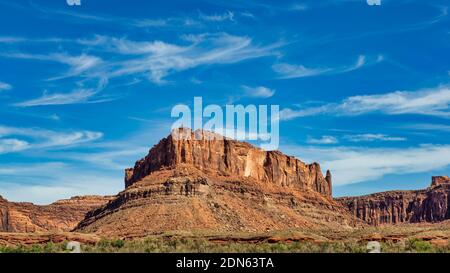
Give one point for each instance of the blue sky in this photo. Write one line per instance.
(87, 90)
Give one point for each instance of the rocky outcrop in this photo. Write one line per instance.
(429, 205)
(62, 215)
(439, 180)
(186, 199)
(10, 239)
(221, 185)
(214, 154)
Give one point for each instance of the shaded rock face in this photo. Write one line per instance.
(62, 215)
(213, 153)
(429, 205)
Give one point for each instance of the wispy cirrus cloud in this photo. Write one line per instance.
(292, 71)
(373, 138)
(77, 64)
(185, 21)
(19, 39)
(15, 139)
(258, 92)
(11, 145)
(430, 102)
(11, 40)
(360, 164)
(5, 86)
(426, 127)
(227, 16)
(125, 22)
(324, 140)
(79, 95)
(125, 46)
(356, 138)
(157, 59)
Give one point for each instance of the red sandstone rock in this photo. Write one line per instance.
(214, 153)
(23, 239)
(220, 185)
(439, 180)
(62, 215)
(429, 205)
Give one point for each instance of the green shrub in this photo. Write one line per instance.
(418, 245)
(118, 243)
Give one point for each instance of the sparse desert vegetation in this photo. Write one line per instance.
(408, 238)
(181, 245)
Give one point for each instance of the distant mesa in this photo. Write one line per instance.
(428, 205)
(61, 216)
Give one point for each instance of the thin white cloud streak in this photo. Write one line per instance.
(78, 65)
(174, 23)
(373, 138)
(11, 40)
(77, 96)
(227, 16)
(324, 140)
(443, 13)
(158, 59)
(12, 145)
(155, 59)
(247, 14)
(168, 23)
(292, 71)
(127, 47)
(19, 39)
(426, 127)
(5, 86)
(258, 92)
(20, 139)
(111, 159)
(360, 164)
(430, 102)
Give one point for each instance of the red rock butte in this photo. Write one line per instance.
(209, 152)
(197, 180)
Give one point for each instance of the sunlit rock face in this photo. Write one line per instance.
(213, 153)
(429, 205)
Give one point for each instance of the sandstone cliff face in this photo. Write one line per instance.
(218, 185)
(213, 153)
(429, 205)
(63, 215)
